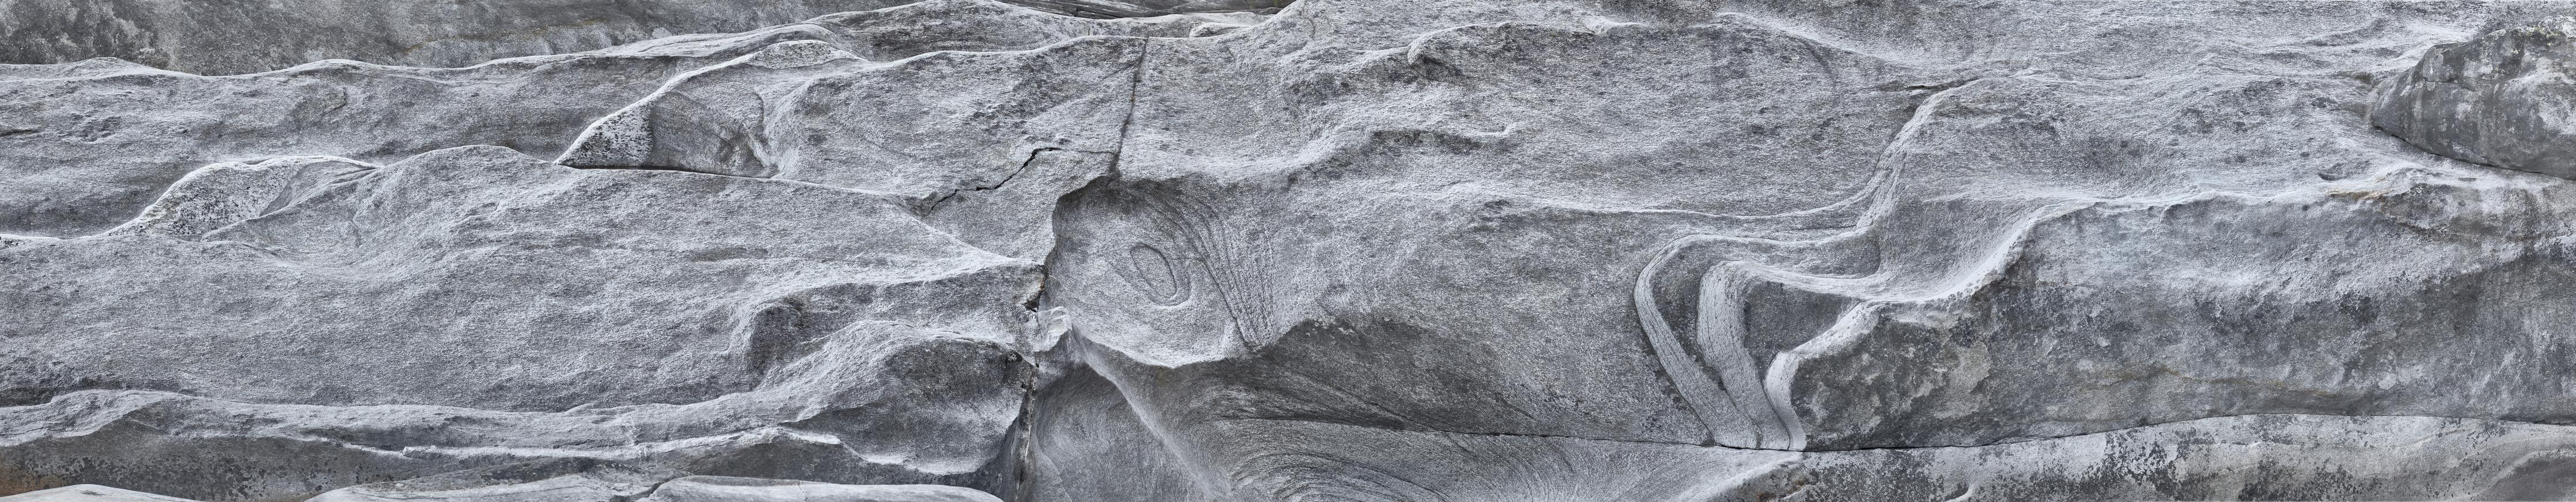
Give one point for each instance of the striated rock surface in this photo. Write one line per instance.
(1347, 250)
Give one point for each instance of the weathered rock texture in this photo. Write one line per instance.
(1350, 250)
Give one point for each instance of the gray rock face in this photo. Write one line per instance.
(84, 146)
(226, 37)
(1353, 250)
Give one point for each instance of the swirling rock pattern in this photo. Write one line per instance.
(1336, 250)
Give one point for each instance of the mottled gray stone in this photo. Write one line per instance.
(1353, 250)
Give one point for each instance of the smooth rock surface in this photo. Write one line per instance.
(1350, 250)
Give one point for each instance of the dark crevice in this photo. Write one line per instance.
(1943, 86)
(1095, 9)
(1024, 428)
(1015, 173)
(1135, 86)
(1025, 432)
(666, 168)
(1037, 299)
(1025, 162)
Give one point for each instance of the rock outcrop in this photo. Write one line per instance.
(1351, 250)
(227, 37)
(2504, 99)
